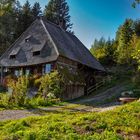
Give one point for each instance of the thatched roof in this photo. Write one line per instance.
(52, 41)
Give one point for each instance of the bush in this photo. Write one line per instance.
(4, 100)
(19, 89)
(50, 85)
(136, 79)
(49, 90)
(39, 101)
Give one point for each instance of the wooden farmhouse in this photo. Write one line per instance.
(45, 47)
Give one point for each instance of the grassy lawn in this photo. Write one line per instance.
(122, 123)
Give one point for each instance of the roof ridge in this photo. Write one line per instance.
(47, 32)
(54, 24)
(46, 20)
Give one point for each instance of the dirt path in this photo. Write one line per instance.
(104, 99)
(15, 114)
(97, 103)
(19, 114)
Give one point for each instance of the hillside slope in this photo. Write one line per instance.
(122, 123)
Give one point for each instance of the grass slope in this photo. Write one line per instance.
(122, 123)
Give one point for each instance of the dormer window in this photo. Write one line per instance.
(12, 56)
(27, 39)
(36, 53)
(14, 53)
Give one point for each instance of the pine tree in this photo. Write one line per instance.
(18, 20)
(137, 27)
(57, 11)
(5, 6)
(124, 39)
(135, 3)
(36, 10)
(27, 17)
(6, 24)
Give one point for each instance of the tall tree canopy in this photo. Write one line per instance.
(16, 18)
(36, 10)
(26, 15)
(57, 11)
(7, 23)
(125, 37)
(104, 50)
(135, 3)
(5, 6)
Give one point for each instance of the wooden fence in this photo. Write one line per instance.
(97, 86)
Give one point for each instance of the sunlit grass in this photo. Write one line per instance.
(122, 123)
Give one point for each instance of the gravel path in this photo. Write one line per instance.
(18, 114)
(111, 93)
(15, 114)
(115, 91)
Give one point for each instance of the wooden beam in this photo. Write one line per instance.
(64, 64)
(1, 79)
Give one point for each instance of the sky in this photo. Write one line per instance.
(96, 18)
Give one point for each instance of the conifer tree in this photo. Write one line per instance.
(27, 17)
(125, 37)
(36, 10)
(57, 11)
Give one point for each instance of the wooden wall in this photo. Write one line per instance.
(73, 92)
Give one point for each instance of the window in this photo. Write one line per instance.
(21, 72)
(17, 73)
(14, 52)
(47, 68)
(27, 72)
(36, 53)
(12, 56)
(27, 39)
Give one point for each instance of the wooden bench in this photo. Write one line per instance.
(127, 99)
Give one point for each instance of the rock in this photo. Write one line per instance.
(127, 93)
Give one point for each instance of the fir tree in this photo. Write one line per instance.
(36, 10)
(57, 11)
(125, 36)
(27, 17)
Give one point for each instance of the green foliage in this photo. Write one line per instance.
(136, 52)
(120, 124)
(6, 103)
(50, 85)
(58, 11)
(49, 90)
(5, 6)
(135, 3)
(124, 48)
(19, 89)
(36, 10)
(39, 101)
(104, 51)
(15, 19)
(4, 100)
(69, 77)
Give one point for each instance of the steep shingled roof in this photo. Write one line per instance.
(52, 42)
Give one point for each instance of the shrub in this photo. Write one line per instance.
(39, 101)
(19, 89)
(136, 79)
(49, 90)
(34, 80)
(4, 100)
(50, 85)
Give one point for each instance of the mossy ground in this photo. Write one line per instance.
(121, 123)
